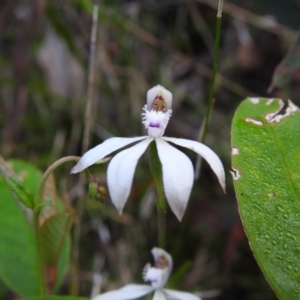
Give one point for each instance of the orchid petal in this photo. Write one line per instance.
(128, 292)
(210, 156)
(108, 146)
(180, 295)
(159, 295)
(120, 173)
(178, 176)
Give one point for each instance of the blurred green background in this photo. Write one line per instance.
(44, 54)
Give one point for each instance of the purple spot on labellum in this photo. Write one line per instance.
(156, 125)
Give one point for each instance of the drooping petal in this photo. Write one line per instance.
(178, 176)
(210, 156)
(128, 292)
(159, 295)
(108, 146)
(120, 173)
(180, 295)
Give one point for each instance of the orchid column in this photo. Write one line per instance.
(156, 116)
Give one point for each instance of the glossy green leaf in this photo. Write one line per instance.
(266, 173)
(18, 254)
(53, 235)
(21, 191)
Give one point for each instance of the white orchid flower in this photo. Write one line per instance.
(177, 169)
(158, 276)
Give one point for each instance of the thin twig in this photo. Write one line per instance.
(109, 15)
(210, 104)
(91, 83)
(85, 145)
(263, 22)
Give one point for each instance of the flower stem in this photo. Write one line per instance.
(39, 194)
(161, 225)
(156, 170)
(37, 201)
(42, 284)
(210, 104)
(204, 127)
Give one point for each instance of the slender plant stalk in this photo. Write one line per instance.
(161, 225)
(39, 194)
(204, 127)
(156, 170)
(85, 144)
(210, 103)
(37, 202)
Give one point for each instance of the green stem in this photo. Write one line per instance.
(39, 194)
(42, 284)
(37, 202)
(204, 127)
(156, 170)
(161, 225)
(210, 104)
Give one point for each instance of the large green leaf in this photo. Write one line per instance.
(266, 173)
(18, 254)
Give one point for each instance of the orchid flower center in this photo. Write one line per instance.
(159, 274)
(159, 103)
(156, 121)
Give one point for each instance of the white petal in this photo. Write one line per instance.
(102, 150)
(128, 292)
(211, 157)
(178, 176)
(159, 295)
(120, 173)
(180, 295)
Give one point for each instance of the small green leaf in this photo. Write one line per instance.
(28, 173)
(21, 191)
(42, 205)
(266, 174)
(53, 234)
